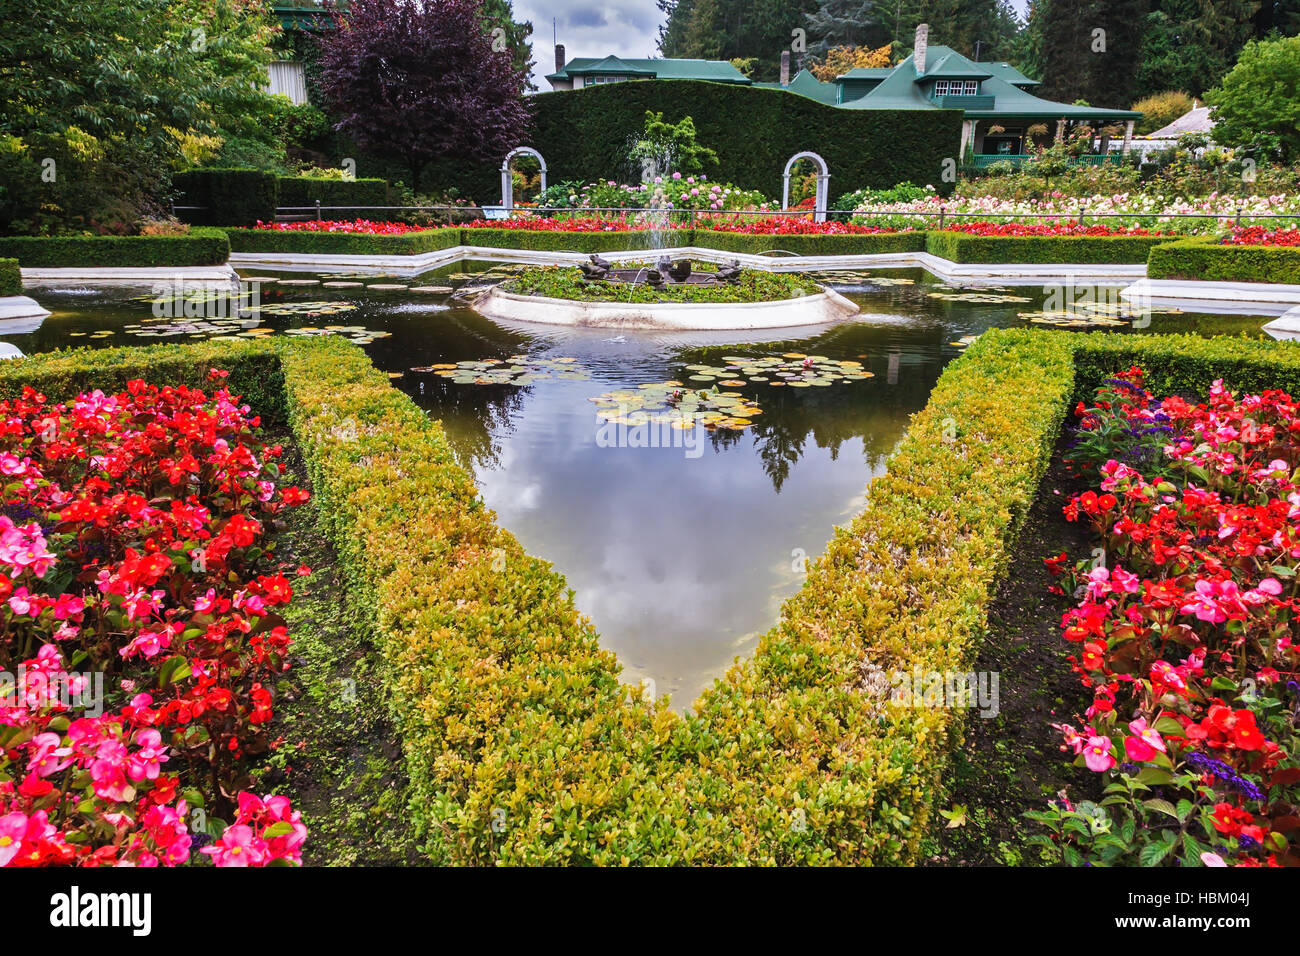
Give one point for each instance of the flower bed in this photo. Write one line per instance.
(1259, 236)
(1184, 631)
(567, 283)
(402, 240)
(136, 541)
(674, 191)
(959, 245)
(1216, 260)
(1057, 228)
(1170, 214)
(361, 226)
(790, 226)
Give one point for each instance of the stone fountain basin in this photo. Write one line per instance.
(816, 309)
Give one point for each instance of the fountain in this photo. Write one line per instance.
(663, 276)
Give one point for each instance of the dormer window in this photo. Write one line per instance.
(956, 87)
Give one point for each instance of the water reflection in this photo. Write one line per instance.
(680, 562)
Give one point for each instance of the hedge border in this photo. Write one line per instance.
(1066, 250)
(203, 246)
(1209, 259)
(226, 197)
(343, 243)
(506, 702)
(553, 241)
(11, 279)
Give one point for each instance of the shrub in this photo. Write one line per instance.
(563, 240)
(962, 247)
(567, 283)
(202, 247)
(11, 279)
(230, 197)
(347, 193)
(811, 245)
(1207, 258)
(342, 243)
(1160, 109)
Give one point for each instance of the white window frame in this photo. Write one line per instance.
(940, 87)
(970, 88)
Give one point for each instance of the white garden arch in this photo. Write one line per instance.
(507, 181)
(823, 183)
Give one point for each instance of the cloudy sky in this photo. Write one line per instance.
(599, 28)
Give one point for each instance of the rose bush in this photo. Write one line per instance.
(1184, 631)
(139, 588)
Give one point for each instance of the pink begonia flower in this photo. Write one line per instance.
(146, 762)
(17, 827)
(1203, 605)
(1124, 582)
(1212, 859)
(49, 757)
(1098, 583)
(1145, 742)
(238, 846)
(108, 771)
(1096, 754)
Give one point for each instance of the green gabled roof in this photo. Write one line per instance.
(1009, 74)
(805, 84)
(866, 73)
(718, 71)
(944, 64)
(900, 91)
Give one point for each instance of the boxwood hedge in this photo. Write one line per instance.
(202, 247)
(1206, 257)
(859, 244)
(227, 197)
(350, 193)
(521, 744)
(551, 241)
(1088, 250)
(342, 243)
(11, 279)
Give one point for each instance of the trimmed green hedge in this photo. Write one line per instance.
(353, 193)
(343, 243)
(11, 279)
(521, 744)
(551, 241)
(1207, 258)
(202, 247)
(846, 245)
(1091, 250)
(230, 197)
(1187, 364)
(584, 134)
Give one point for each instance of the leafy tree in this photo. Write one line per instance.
(105, 97)
(672, 146)
(841, 59)
(961, 24)
(1258, 104)
(1160, 109)
(500, 13)
(845, 24)
(419, 80)
(731, 29)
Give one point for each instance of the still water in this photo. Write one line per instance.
(680, 556)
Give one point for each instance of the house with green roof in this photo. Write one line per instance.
(1003, 118)
(588, 71)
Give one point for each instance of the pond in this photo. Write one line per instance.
(680, 554)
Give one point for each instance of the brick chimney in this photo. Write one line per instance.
(785, 67)
(919, 47)
(559, 57)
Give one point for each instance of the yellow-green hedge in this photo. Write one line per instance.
(522, 745)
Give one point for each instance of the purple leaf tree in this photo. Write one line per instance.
(421, 80)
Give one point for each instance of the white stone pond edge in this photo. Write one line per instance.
(815, 309)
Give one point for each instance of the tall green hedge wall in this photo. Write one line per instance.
(228, 197)
(11, 279)
(585, 134)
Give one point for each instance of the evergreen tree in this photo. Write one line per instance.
(845, 23)
(1091, 50)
